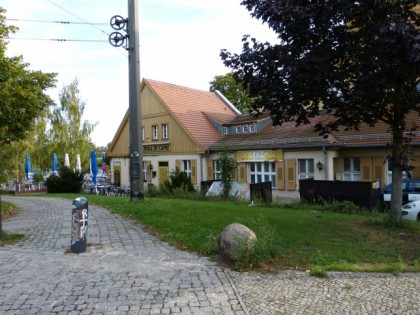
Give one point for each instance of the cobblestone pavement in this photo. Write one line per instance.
(127, 271)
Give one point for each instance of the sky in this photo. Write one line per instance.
(180, 43)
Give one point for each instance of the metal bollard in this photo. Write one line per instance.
(79, 225)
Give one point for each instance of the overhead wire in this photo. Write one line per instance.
(78, 17)
(85, 21)
(60, 22)
(60, 39)
(67, 23)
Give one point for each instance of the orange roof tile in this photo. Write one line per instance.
(190, 107)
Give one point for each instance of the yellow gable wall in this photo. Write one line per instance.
(121, 145)
(156, 113)
(150, 103)
(179, 140)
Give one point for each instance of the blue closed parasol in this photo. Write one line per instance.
(28, 168)
(54, 167)
(93, 166)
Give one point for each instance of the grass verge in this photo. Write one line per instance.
(296, 236)
(7, 209)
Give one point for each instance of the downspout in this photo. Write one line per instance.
(324, 150)
(203, 157)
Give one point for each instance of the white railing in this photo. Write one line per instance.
(25, 187)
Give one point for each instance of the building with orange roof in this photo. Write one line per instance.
(288, 153)
(176, 132)
(187, 128)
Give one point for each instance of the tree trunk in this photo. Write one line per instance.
(396, 196)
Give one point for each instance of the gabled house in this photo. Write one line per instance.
(285, 154)
(178, 127)
(186, 128)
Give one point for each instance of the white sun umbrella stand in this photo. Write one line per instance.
(66, 160)
(78, 163)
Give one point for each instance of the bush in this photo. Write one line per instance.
(266, 247)
(338, 206)
(68, 181)
(152, 191)
(179, 183)
(346, 207)
(38, 177)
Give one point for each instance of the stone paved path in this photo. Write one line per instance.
(127, 271)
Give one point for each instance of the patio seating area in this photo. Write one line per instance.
(25, 188)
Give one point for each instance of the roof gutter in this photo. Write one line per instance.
(227, 102)
(307, 146)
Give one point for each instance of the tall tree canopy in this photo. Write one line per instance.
(357, 60)
(22, 91)
(230, 86)
(60, 130)
(69, 133)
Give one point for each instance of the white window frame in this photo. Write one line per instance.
(165, 131)
(262, 172)
(217, 174)
(352, 173)
(225, 130)
(238, 129)
(245, 129)
(186, 167)
(251, 128)
(306, 169)
(155, 132)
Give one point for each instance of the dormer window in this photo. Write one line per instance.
(245, 128)
(252, 128)
(238, 129)
(225, 130)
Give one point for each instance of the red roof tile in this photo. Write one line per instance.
(190, 106)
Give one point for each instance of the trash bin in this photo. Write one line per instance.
(79, 225)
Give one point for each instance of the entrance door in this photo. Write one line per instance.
(117, 173)
(117, 178)
(163, 172)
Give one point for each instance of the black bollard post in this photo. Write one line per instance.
(79, 225)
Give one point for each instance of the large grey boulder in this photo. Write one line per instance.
(235, 239)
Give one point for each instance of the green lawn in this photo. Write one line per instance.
(7, 209)
(296, 236)
(289, 236)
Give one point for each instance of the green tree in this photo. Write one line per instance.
(22, 95)
(69, 133)
(11, 161)
(227, 166)
(231, 87)
(22, 91)
(357, 60)
(59, 131)
(41, 150)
